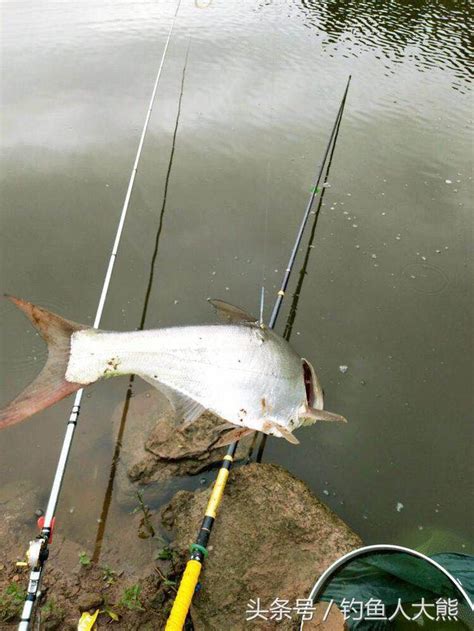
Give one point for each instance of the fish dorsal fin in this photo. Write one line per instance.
(187, 409)
(231, 313)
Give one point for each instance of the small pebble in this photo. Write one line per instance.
(343, 369)
(399, 507)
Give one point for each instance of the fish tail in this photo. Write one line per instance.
(50, 386)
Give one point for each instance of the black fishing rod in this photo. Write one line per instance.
(198, 549)
(296, 296)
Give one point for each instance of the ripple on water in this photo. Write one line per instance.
(431, 34)
(424, 278)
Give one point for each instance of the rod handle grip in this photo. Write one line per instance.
(184, 597)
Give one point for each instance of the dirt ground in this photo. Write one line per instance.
(271, 540)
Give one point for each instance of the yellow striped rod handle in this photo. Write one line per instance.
(184, 597)
(217, 492)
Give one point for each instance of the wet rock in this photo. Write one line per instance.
(156, 450)
(89, 600)
(272, 539)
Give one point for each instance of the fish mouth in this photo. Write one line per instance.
(308, 384)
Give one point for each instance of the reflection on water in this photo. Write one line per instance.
(430, 34)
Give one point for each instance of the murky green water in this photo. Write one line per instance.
(388, 291)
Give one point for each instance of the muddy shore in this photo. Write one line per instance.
(271, 540)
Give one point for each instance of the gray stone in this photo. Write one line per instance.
(272, 538)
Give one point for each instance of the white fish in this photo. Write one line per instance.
(241, 371)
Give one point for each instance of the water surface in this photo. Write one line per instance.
(388, 291)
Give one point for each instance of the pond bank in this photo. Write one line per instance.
(271, 540)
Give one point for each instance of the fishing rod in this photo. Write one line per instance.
(303, 271)
(129, 392)
(296, 296)
(198, 550)
(38, 550)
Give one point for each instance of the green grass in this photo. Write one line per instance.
(164, 554)
(11, 602)
(131, 598)
(84, 559)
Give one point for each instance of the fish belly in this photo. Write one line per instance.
(235, 371)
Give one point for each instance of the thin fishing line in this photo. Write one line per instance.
(269, 188)
(123, 420)
(265, 227)
(36, 574)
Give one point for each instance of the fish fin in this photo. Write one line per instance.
(187, 409)
(50, 386)
(288, 435)
(232, 436)
(268, 425)
(313, 415)
(231, 313)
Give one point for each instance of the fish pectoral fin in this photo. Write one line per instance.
(231, 313)
(267, 426)
(232, 436)
(187, 409)
(313, 415)
(288, 435)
